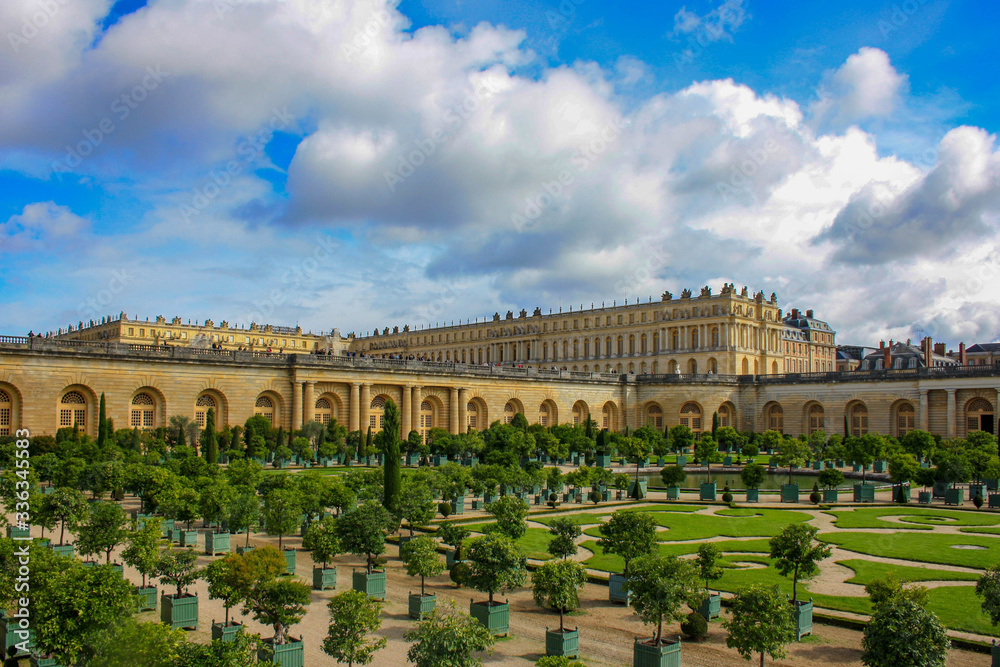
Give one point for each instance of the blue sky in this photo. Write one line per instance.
(363, 164)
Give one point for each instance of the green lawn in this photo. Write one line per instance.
(610, 563)
(534, 543)
(914, 518)
(923, 548)
(725, 523)
(866, 571)
(598, 517)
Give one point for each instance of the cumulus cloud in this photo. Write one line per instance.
(866, 86)
(42, 226)
(715, 25)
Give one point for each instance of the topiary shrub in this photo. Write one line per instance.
(553, 500)
(695, 627)
(595, 496)
(727, 495)
(460, 573)
(977, 501)
(814, 497)
(445, 509)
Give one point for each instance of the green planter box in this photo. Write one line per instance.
(412, 459)
(290, 654)
(864, 493)
(421, 605)
(488, 498)
(167, 526)
(495, 617)
(789, 493)
(673, 493)
(830, 496)
(289, 561)
(180, 613)
(217, 543)
(119, 568)
(995, 654)
(562, 642)
(372, 585)
(856, 467)
(643, 492)
(66, 550)
(898, 489)
(878, 466)
(954, 496)
(47, 661)
(682, 460)
(664, 655)
(711, 606)
(244, 549)
(324, 578)
(977, 490)
(727, 460)
(939, 489)
(840, 463)
(189, 538)
(225, 633)
(924, 498)
(8, 631)
(829, 465)
(147, 597)
(753, 495)
(603, 461)
(617, 591)
(708, 490)
(817, 465)
(16, 533)
(992, 500)
(458, 505)
(476, 504)
(802, 617)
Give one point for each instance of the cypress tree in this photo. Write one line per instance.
(389, 444)
(209, 439)
(847, 431)
(102, 426)
(715, 423)
(181, 439)
(368, 444)
(590, 428)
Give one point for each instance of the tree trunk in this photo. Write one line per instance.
(248, 536)
(560, 619)
(62, 532)
(227, 616)
(659, 629)
(421, 585)
(795, 583)
(761, 659)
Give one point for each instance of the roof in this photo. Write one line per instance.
(984, 347)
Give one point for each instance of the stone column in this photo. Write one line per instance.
(364, 405)
(406, 418)
(296, 405)
(415, 406)
(453, 410)
(924, 423)
(952, 414)
(463, 410)
(308, 402)
(355, 407)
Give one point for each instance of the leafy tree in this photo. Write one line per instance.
(143, 550)
(564, 532)
(496, 564)
(228, 581)
(454, 535)
(672, 475)
(280, 604)
(448, 638)
(901, 632)
(795, 551)
(556, 584)
(510, 513)
(422, 559)
(707, 560)
(131, 643)
(792, 453)
(362, 531)
(658, 586)
(280, 515)
(681, 438)
(181, 503)
(637, 449)
(415, 504)
(67, 506)
(629, 535)
(988, 588)
(558, 661)
(178, 568)
(759, 623)
(388, 444)
(353, 618)
(321, 538)
(865, 450)
(243, 650)
(729, 439)
(244, 513)
(749, 450)
(752, 475)
(74, 606)
(831, 478)
(104, 530)
(706, 449)
(887, 588)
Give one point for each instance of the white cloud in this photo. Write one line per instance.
(42, 226)
(866, 86)
(717, 24)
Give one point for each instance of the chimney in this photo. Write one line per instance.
(961, 354)
(940, 349)
(928, 344)
(809, 313)
(881, 345)
(795, 313)
(887, 354)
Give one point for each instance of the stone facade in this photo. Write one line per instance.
(46, 383)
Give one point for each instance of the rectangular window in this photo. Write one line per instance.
(472, 421)
(131, 331)
(65, 418)
(644, 317)
(604, 422)
(972, 423)
(543, 420)
(200, 419)
(658, 422)
(136, 419)
(631, 318)
(142, 333)
(147, 419)
(371, 421)
(696, 423)
(4, 421)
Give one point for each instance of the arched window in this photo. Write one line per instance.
(816, 416)
(73, 410)
(323, 411)
(201, 408)
(6, 409)
(692, 367)
(580, 413)
(508, 413)
(859, 419)
(265, 408)
(543, 414)
(725, 416)
(905, 419)
(654, 416)
(143, 411)
(473, 411)
(691, 416)
(746, 366)
(979, 415)
(376, 415)
(426, 417)
(775, 418)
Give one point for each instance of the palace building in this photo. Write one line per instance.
(675, 361)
